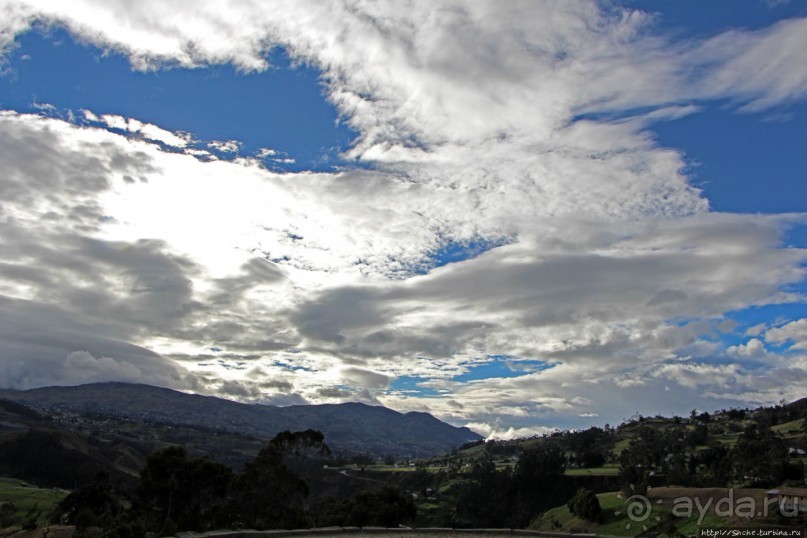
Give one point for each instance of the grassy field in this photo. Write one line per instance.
(621, 445)
(790, 429)
(607, 470)
(615, 521)
(29, 499)
(684, 509)
(728, 439)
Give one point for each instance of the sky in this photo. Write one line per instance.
(516, 216)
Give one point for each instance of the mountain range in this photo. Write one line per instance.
(348, 427)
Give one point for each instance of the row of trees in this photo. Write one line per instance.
(488, 495)
(688, 458)
(176, 493)
(179, 493)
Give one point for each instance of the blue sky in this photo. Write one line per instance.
(516, 217)
(283, 108)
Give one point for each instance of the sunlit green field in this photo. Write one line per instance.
(661, 503)
(29, 501)
(606, 470)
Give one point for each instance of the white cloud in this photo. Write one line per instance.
(225, 146)
(115, 122)
(697, 375)
(591, 297)
(89, 115)
(753, 349)
(762, 68)
(493, 432)
(15, 19)
(366, 379)
(266, 152)
(157, 134)
(756, 330)
(473, 116)
(87, 368)
(146, 130)
(794, 333)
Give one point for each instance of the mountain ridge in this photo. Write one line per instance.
(352, 427)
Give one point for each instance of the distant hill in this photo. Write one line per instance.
(798, 408)
(35, 448)
(348, 427)
(15, 416)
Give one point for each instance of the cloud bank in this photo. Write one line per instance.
(525, 129)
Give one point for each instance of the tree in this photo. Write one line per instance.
(297, 447)
(633, 473)
(718, 465)
(585, 441)
(486, 498)
(189, 495)
(88, 503)
(698, 436)
(760, 456)
(646, 451)
(539, 465)
(269, 495)
(388, 507)
(83, 520)
(585, 505)
(592, 458)
(736, 414)
(538, 482)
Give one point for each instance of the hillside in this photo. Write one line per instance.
(349, 427)
(596, 451)
(668, 513)
(36, 448)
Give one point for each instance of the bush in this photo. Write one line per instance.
(585, 505)
(387, 507)
(84, 519)
(30, 521)
(8, 511)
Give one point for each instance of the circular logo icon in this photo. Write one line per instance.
(639, 509)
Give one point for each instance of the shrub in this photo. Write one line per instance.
(585, 505)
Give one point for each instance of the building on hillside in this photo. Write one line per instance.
(789, 499)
